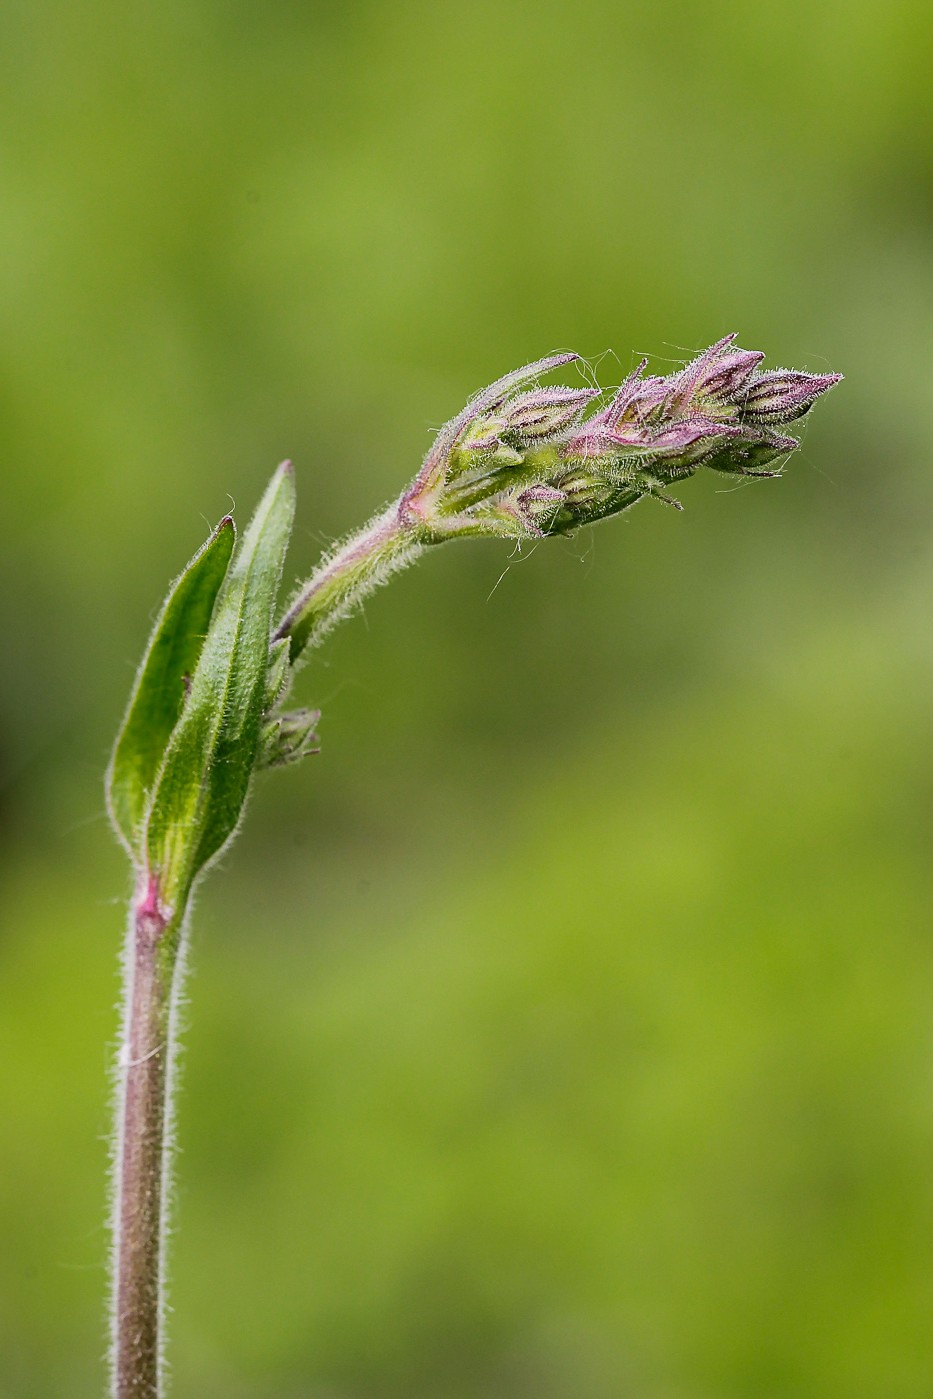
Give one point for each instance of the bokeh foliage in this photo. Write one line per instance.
(564, 1028)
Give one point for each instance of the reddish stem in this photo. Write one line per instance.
(141, 1169)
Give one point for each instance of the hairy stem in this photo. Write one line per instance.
(142, 1152)
(351, 572)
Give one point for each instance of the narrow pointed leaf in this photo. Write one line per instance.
(204, 781)
(159, 689)
(276, 674)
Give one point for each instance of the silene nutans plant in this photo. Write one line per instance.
(210, 703)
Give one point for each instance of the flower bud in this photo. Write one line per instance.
(637, 399)
(782, 395)
(681, 443)
(717, 374)
(287, 738)
(590, 497)
(750, 452)
(728, 375)
(689, 439)
(476, 427)
(545, 413)
(535, 417)
(536, 506)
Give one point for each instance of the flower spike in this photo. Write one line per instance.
(522, 461)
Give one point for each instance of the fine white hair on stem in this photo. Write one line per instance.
(121, 1065)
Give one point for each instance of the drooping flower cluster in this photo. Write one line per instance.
(523, 460)
(530, 464)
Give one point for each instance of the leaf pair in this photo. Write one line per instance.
(181, 769)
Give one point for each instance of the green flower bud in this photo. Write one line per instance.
(287, 738)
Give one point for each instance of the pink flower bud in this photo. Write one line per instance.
(544, 413)
(781, 395)
(637, 399)
(729, 374)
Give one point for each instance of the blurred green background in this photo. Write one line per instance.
(565, 1028)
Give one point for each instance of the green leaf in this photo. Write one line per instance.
(159, 689)
(205, 778)
(277, 676)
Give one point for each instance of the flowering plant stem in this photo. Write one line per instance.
(142, 1167)
(361, 563)
(520, 462)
